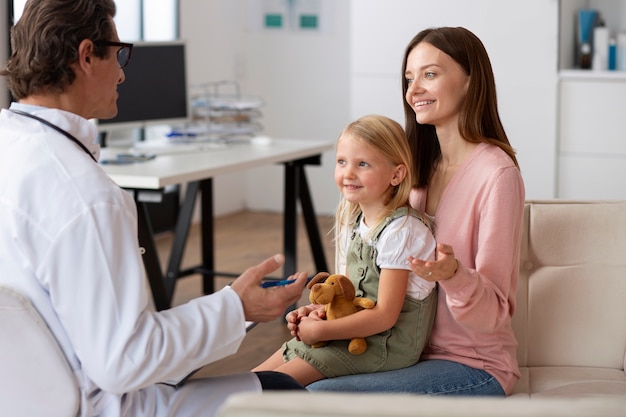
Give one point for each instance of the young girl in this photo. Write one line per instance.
(375, 231)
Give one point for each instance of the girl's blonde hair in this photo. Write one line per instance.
(387, 137)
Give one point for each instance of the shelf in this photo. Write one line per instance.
(590, 75)
(611, 12)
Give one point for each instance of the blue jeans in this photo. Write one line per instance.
(432, 377)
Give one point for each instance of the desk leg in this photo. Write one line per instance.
(163, 287)
(297, 188)
(310, 221)
(208, 245)
(181, 232)
(290, 219)
(151, 258)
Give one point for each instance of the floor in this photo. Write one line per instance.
(244, 239)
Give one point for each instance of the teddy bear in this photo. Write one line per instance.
(337, 294)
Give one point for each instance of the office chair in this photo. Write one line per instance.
(35, 377)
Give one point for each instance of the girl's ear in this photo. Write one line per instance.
(398, 175)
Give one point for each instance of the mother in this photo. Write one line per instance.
(470, 183)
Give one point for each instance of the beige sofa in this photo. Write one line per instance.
(570, 323)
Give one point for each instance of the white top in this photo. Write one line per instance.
(68, 241)
(402, 238)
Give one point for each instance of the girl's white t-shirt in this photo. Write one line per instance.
(403, 237)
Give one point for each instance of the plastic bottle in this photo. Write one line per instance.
(612, 55)
(584, 34)
(621, 52)
(600, 47)
(585, 56)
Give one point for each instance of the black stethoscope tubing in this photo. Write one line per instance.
(58, 129)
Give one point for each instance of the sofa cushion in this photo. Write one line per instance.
(324, 404)
(571, 308)
(571, 382)
(570, 318)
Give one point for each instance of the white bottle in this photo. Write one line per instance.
(621, 52)
(600, 59)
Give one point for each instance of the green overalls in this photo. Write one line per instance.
(395, 348)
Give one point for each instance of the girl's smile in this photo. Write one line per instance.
(363, 175)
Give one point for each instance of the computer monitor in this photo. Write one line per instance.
(155, 89)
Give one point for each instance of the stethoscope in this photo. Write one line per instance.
(57, 128)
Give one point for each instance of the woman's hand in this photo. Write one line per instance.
(441, 269)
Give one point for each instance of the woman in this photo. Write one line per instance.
(469, 182)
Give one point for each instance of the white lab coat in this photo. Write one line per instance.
(68, 241)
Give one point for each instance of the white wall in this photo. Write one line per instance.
(522, 41)
(302, 77)
(213, 31)
(315, 83)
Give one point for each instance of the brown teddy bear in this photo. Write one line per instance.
(337, 293)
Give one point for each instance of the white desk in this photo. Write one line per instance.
(197, 169)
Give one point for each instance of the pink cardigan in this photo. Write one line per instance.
(480, 216)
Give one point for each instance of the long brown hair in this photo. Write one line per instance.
(479, 120)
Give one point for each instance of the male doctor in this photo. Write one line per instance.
(68, 234)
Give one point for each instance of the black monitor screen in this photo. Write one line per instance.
(155, 89)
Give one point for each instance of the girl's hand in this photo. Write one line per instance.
(443, 268)
(294, 317)
(308, 329)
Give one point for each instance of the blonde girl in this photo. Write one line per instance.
(375, 232)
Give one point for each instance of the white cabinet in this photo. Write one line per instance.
(592, 146)
(592, 114)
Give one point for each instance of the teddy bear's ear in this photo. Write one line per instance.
(346, 287)
(320, 277)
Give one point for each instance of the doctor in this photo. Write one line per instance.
(68, 235)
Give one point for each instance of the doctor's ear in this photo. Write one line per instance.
(85, 54)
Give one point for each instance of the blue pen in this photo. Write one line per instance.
(280, 283)
(175, 134)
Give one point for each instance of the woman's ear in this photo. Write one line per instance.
(398, 175)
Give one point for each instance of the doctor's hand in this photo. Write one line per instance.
(265, 304)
